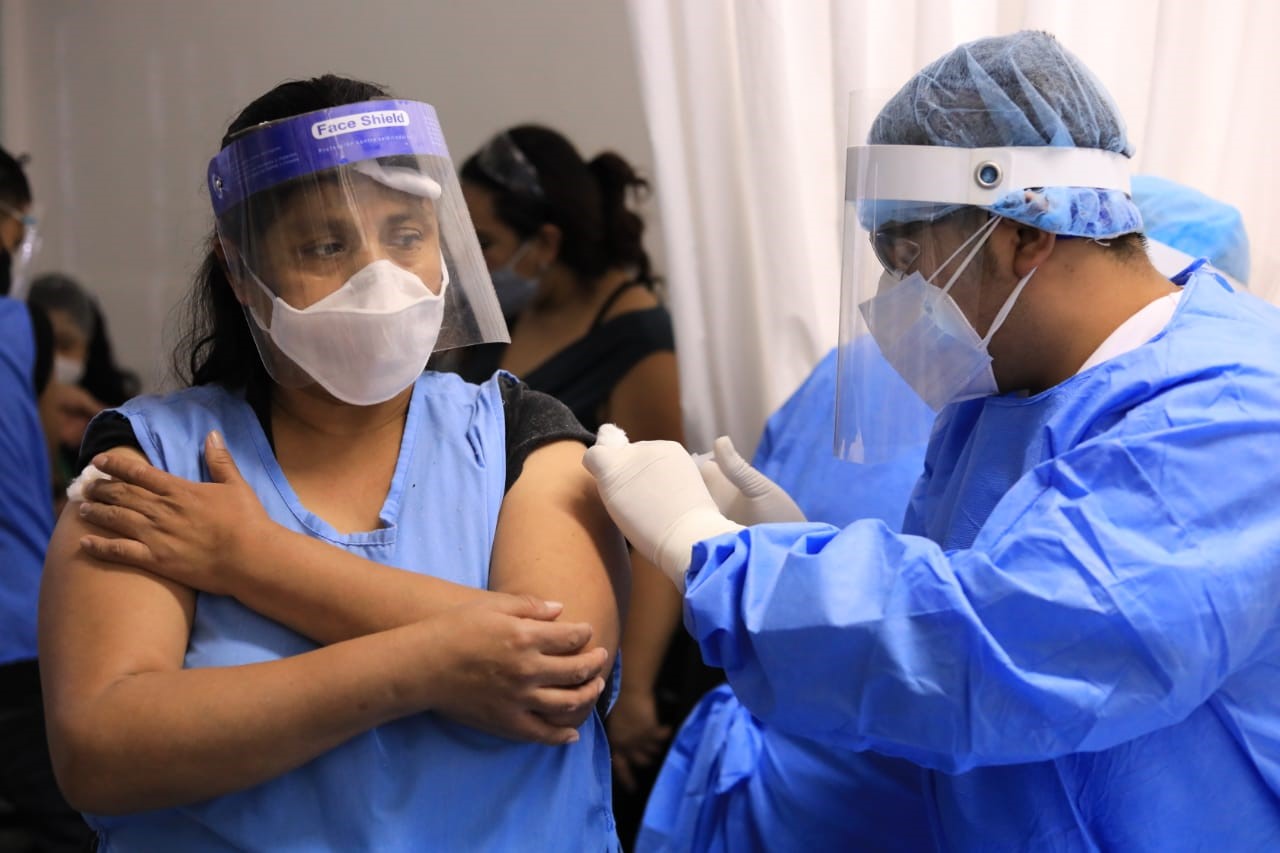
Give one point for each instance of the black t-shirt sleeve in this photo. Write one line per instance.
(534, 419)
(42, 331)
(107, 431)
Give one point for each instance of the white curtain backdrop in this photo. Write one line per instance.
(746, 102)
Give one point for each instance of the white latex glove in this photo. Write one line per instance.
(656, 496)
(741, 492)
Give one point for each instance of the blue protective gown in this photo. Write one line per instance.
(796, 446)
(26, 497)
(419, 783)
(1081, 637)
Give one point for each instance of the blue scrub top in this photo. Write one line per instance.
(26, 497)
(1082, 637)
(421, 782)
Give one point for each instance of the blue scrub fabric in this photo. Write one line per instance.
(26, 498)
(798, 441)
(1078, 634)
(420, 782)
(1194, 223)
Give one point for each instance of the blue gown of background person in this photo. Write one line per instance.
(1193, 223)
(730, 782)
(26, 503)
(1083, 633)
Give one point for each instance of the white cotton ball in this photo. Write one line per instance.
(75, 491)
(611, 435)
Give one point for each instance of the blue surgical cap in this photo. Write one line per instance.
(1023, 89)
(1192, 222)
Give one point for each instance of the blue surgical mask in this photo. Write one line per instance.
(514, 290)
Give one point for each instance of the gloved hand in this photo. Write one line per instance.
(741, 492)
(656, 497)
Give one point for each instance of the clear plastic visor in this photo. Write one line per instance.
(904, 253)
(910, 290)
(25, 250)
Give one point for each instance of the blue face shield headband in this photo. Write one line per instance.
(284, 150)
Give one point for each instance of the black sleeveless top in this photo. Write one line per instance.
(584, 374)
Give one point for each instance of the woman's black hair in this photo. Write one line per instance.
(15, 190)
(216, 345)
(587, 201)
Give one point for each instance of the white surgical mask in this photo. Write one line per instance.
(369, 339)
(68, 371)
(927, 338)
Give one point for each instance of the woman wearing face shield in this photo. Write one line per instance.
(324, 600)
(1075, 637)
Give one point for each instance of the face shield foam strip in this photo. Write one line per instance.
(975, 176)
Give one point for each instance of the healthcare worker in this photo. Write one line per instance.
(731, 782)
(1075, 636)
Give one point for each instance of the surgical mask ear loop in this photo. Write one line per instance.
(1003, 314)
(517, 255)
(981, 236)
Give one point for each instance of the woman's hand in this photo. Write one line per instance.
(511, 670)
(194, 534)
(636, 738)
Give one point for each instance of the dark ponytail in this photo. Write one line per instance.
(215, 345)
(589, 203)
(623, 228)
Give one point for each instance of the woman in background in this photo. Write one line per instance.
(83, 360)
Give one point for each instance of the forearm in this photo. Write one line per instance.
(166, 738)
(331, 595)
(652, 620)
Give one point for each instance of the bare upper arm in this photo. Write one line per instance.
(101, 621)
(555, 541)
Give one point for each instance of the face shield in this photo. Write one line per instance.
(348, 243)
(23, 254)
(918, 305)
(502, 161)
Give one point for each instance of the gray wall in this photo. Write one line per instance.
(122, 102)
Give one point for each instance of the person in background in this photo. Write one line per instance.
(380, 610)
(82, 362)
(35, 816)
(81, 338)
(1075, 635)
(566, 253)
(731, 782)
